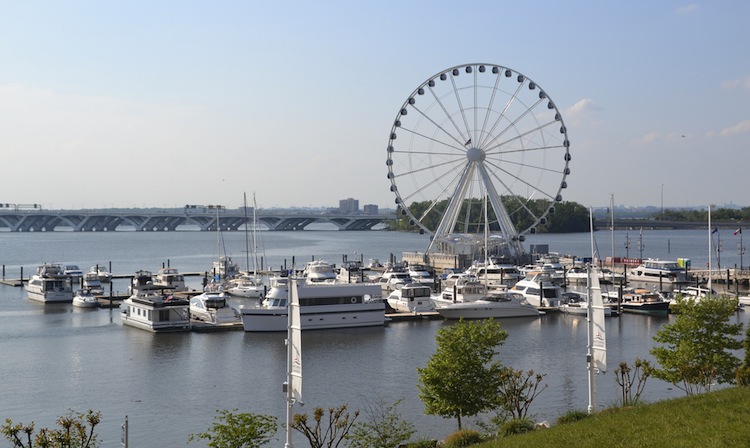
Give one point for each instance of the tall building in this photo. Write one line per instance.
(370, 209)
(349, 205)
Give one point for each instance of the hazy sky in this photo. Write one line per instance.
(167, 103)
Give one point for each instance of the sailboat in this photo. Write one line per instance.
(224, 268)
(596, 355)
(249, 284)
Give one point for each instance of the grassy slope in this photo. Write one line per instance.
(716, 419)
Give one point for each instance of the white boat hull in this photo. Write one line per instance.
(315, 317)
(479, 310)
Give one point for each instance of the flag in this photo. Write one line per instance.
(468, 142)
(715, 230)
(738, 231)
(295, 343)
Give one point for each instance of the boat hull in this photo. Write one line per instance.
(654, 308)
(480, 311)
(315, 317)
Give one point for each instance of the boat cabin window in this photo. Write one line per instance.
(416, 292)
(550, 293)
(216, 303)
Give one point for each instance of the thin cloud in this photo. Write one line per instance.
(742, 127)
(731, 84)
(649, 138)
(688, 9)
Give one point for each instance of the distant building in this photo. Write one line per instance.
(349, 206)
(370, 209)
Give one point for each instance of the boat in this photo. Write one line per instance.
(224, 269)
(578, 305)
(465, 289)
(495, 304)
(539, 289)
(393, 279)
(319, 271)
(152, 310)
(322, 306)
(246, 286)
(497, 275)
(692, 292)
(655, 270)
(351, 272)
(639, 301)
(412, 297)
(91, 281)
(143, 281)
(49, 284)
(579, 275)
(102, 272)
(170, 278)
(420, 274)
(84, 298)
(74, 272)
(212, 308)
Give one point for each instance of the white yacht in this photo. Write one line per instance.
(224, 269)
(49, 284)
(170, 278)
(420, 274)
(465, 289)
(212, 308)
(497, 275)
(412, 298)
(392, 280)
(102, 272)
(74, 272)
(84, 298)
(497, 304)
(91, 282)
(654, 270)
(351, 272)
(579, 306)
(319, 271)
(153, 311)
(322, 306)
(539, 289)
(247, 286)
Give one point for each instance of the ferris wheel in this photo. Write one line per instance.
(478, 148)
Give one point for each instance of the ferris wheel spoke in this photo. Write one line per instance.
(489, 105)
(523, 165)
(460, 148)
(461, 109)
(455, 181)
(438, 126)
(512, 125)
(435, 181)
(513, 176)
(520, 137)
(427, 168)
(501, 116)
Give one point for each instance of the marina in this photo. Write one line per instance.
(97, 352)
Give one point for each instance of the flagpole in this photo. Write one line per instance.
(710, 249)
(289, 394)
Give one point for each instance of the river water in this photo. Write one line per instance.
(56, 357)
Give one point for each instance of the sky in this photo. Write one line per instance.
(162, 104)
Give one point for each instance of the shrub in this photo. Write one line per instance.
(572, 416)
(517, 426)
(464, 437)
(423, 443)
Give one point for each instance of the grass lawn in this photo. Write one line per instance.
(716, 419)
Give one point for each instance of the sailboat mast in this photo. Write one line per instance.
(247, 243)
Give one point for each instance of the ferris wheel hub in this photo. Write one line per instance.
(475, 154)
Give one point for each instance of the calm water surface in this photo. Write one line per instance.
(56, 357)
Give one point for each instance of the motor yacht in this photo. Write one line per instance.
(212, 308)
(84, 298)
(49, 284)
(412, 298)
(152, 310)
(170, 278)
(539, 289)
(495, 304)
(662, 271)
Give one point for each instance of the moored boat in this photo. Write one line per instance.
(154, 311)
(170, 278)
(412, 298)
(49, 284)
(496, 304)
(540, 290)
(660, 271)
(212, 308)
(322, 306)
(84, 298)
(640, 301)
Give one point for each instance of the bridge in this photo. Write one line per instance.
(166, 220)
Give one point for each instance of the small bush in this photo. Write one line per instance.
(572, 416)
(743, 376)
(461, 438)
(517, 426)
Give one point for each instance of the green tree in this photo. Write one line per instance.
(233, 430)
(518, 389)
(328, 434)
(461, 378)
(697, 346)
(75, 430)
(383, 428)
